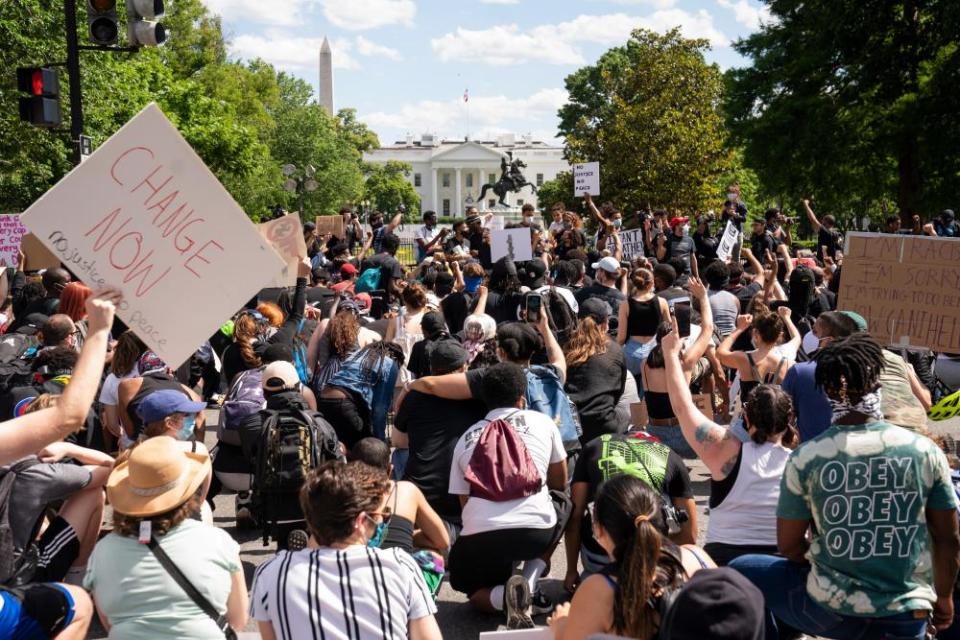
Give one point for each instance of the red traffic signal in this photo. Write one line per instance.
(41, 107)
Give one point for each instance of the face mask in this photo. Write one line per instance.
(811, 342)
(472, 283)
(186, 429)
(567, 225)
(378, 534)
(376, 225)
(686, 229)
(617, 223)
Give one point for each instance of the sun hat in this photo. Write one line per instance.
(157, 477)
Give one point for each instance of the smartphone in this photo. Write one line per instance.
(534, 304)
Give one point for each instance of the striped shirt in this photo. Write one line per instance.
(340, 594)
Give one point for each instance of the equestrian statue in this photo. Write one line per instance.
(511, 179)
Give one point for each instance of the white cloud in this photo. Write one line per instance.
(487, 115)
(281, 13)
(656, 4)
(558, 43)
(359, 15)
(292, 53)
(369, 48)
(747, 14)
(499, 1)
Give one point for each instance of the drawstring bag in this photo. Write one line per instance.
(500, 467)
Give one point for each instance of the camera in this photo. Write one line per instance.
(674, 517)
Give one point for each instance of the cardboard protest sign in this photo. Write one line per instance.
(37, 255)
(285, 235)
(586, 179)
(144, 214)
(330, 224)
(906, 287)
(537, 633)
(632, 241)
(11, 231)
(727, 242)
(514, 243)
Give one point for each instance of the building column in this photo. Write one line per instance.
(434, 206)
(459, 209)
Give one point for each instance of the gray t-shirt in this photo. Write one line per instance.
(35, 487)
(725, 306)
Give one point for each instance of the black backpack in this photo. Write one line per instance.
(560, 317)
(292, 442)
(15, 570)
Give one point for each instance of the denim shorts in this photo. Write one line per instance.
(673, 438)
(636, 353)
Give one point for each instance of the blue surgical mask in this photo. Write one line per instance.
(472, 283)
(186, 429)
(617, 223)
(378, 534)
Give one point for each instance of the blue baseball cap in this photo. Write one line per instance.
(160, 404)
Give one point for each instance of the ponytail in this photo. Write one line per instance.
(637, 579)
(244, 331)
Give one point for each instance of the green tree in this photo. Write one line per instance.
(387, 187)
(851, 101)
(560, 189)
(649, 113)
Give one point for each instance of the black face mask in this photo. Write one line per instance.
(376, 225)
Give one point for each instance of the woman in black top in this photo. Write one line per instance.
(640, 315)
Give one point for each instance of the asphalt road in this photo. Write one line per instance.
(455, 617)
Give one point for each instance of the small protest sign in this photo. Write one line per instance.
(285, 235)
(162, 229)
(727, 242)
(11, 231)
(906, 287)
(586, 179)
(330, 224)
(512, 243)
(632, 241)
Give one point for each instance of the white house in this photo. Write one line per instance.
(449, 174)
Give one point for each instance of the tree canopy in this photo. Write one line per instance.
(387, 188)
(245, 120)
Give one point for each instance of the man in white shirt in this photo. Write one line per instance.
(496, 534)
(427, 237)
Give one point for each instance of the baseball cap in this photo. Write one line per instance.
(719, 604)
(535, 270)
(858, 319)
(363, 301)
(32, 324)
(280, 376)
(160, 404)
(275, 352)
(432, 323)
(446, 356)
(594, 308)
(608, 264)
(309, 226)
(946, 215)
(348, 269)
(678, 220)
(473, 218)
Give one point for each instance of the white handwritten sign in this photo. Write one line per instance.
(727, 242)
(632, 241)
(11, 231)
(512, 243)
(586, 179)
(144, 214)
(285, 235)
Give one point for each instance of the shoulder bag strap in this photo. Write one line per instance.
(187, 586)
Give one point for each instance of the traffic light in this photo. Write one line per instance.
(102, 20)
(41, 107)
(142, 29)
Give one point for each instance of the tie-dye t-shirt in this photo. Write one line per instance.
(866, 488)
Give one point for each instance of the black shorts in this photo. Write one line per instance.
(350, 418)
(484, 560)
(44, 611)
(59, 548)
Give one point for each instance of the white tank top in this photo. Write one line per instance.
(748, 515)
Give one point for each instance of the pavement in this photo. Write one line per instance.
(455, 617)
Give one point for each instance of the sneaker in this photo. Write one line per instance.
(516, 600)
(540, 604)
(297, 540)
(245, 519)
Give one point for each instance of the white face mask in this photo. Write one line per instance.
(811, 342)
(686, 229)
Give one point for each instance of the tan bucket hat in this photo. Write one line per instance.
(158, 477)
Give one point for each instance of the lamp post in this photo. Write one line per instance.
(299, 182)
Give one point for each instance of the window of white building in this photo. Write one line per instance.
(416, 180)
(469, 179)
(446, 203)
(446, 180)
(539, 179)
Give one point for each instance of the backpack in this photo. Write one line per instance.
(244, 399)
(292, 442)
(300, 355)
(545, 394)
(560, 317)
(16, 346)
(500, 467)
(15, 570)
(368, 281)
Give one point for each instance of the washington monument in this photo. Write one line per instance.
(326, 77)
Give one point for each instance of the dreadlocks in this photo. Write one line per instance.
(850, 366)
(373, 354)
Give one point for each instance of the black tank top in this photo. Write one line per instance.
(658, 405)
(399, 532)
(746, 386)
(643, 317)
(151, 382)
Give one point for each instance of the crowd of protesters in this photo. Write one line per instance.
(390, 426)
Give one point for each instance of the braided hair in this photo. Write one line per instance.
(850, 366)
(373, 355)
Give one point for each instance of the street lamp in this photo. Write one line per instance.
(299, 182)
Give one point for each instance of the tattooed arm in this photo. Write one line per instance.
(716, 445)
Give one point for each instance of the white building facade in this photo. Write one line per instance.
(448, 175)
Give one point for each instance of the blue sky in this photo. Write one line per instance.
(405, 64)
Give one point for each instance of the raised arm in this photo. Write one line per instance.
(697, 349)
(754, 264)
(554, 352)
(716, 445)
(811, 216)
(31, 432)
(795, 339)
(729, 357)
(394, 223)
(594, 211)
